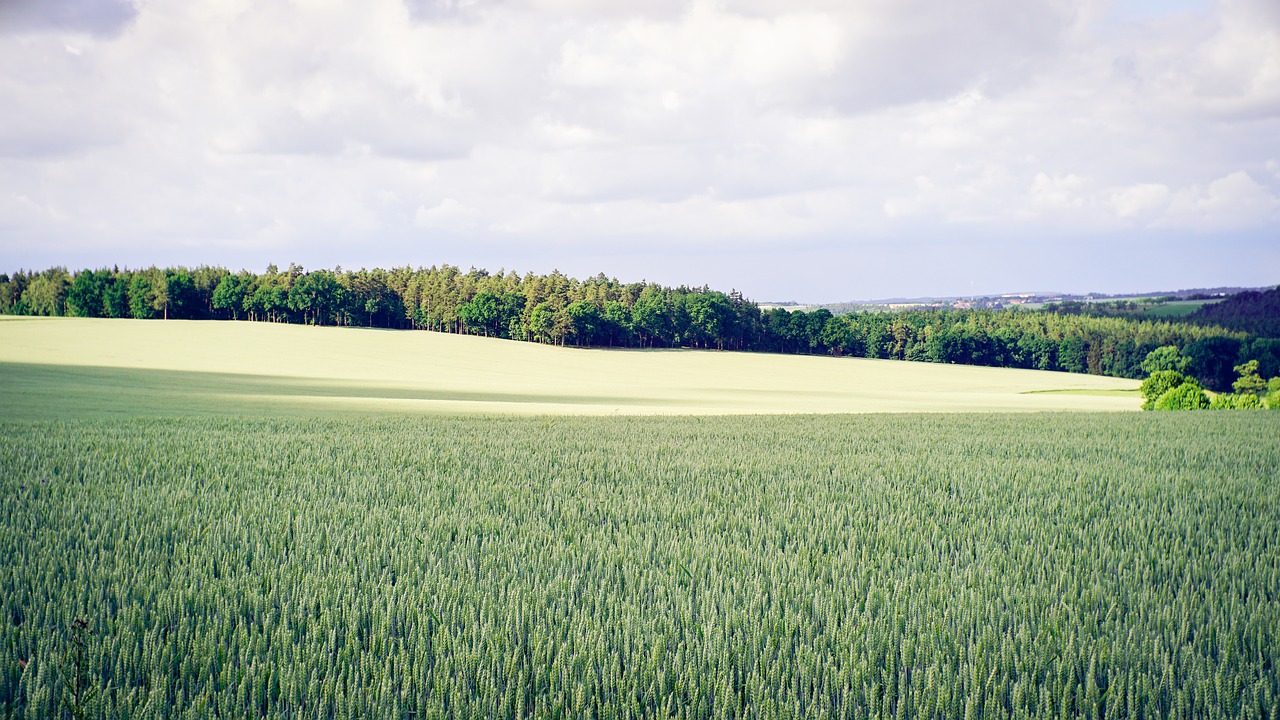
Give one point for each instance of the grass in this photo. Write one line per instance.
(74, 367)
(1175, 308)
(282, 521)
(1091, 392)
(878, 566)
(1150, 309)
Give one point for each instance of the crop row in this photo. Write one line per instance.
(876, 566)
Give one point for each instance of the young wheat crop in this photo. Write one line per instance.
(839, 566)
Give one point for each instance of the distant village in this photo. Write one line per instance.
(1027, 300)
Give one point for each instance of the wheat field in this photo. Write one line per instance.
(86, 367)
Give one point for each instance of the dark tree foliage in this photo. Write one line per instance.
(601, 311)
(1266, 351)
(1257, 313)
(1213, 360)
(85, 295)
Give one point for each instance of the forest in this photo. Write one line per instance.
(1252, 311)
(603, 312)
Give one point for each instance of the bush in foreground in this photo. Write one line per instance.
(1159, 383)
(1187, 396)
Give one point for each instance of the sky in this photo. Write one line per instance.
(806, 150)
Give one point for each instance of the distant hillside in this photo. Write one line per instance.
(87, 367)
(1254, 312)
(1124, 304)
(1077, 336)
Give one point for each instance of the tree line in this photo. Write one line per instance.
(1252, 311)
(1169, 387)
(603, 312)
(1256, 312)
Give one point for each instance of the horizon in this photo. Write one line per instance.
(628, 281)
(814, 151)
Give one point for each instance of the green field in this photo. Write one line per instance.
(1148, 308)
(1133, 393)
(958, 566)
(1175, 309)
(74, 367)
(292, 522)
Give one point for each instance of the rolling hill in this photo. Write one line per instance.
(85, 367)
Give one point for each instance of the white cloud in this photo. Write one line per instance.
(1058, 193)
(1140, 199)
(706, 129)
(1229, 202)
(448, 214)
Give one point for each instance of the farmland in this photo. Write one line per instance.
(74, 367)
(1175, 308)
(281, 522)
(1070, 565)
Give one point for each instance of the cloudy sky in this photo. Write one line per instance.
(815, 150)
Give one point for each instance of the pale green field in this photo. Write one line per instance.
(87, 367)
(1129, 393)
(1176, 308)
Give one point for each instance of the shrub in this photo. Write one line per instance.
(1165, 357)
(1187, 396)
(1237, 401)
(1249, 401)
(1160, 382)
(1250, 383)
